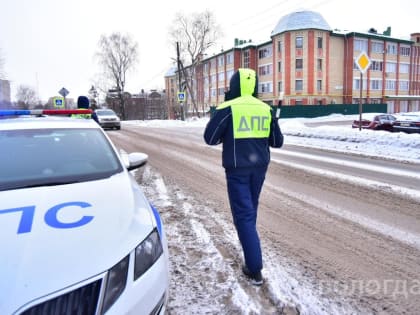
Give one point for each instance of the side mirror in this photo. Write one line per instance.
(134, 160)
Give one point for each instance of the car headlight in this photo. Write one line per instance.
(147, 253)
(115, 284)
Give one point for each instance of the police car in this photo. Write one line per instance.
(77, 234)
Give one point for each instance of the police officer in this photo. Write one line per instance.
(82, 103)
(246, 127)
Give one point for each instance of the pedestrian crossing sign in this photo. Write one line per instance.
(59, 102)
(181, 97)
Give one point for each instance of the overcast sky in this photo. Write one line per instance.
(50, 44)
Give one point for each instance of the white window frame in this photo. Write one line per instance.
(404, 85)
(360, 45)
(376, 84)
(378, 47)
(391, 67)
(405, 51)
(404, 68)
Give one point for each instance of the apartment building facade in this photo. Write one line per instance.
(306, 62)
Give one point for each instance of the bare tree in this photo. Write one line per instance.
(117, 54)
(26, 96)
(194, 35)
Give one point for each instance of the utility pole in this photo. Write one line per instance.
(179, 78)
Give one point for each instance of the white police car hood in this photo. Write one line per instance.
(55, 237)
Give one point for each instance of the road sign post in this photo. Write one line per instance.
(363, 63)
(63, 92)
(181, 100)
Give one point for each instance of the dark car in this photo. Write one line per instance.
(375, 121)
(408, 122)
(107, 118)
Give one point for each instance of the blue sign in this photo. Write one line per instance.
(58, 102)
(181, 96)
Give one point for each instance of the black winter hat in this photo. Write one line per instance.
(83, 102)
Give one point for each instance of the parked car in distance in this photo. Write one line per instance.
(408, 122)
(375, 121)
(107, 118)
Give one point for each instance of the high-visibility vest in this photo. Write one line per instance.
(84, 116)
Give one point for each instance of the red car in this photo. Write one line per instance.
(375, 121)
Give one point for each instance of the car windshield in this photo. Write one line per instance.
(105, 112)
(42, 157)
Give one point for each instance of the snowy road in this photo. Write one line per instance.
(333, 242)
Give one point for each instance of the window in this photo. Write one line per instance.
(356, 84)
(221, 61)
(376, 65)
(319, 64)
(391, 67)
(355, 67)
(229, 58)
(264, 52)
(319, 85)
(298, 102)
(246, 59)
(221, 76)
(279, 66)
(404, 68)
(280, 86)
(360, 45)
(229, 74)
(265, 87)
(213, 79)
(378, 47)
(391, 49)
(390, 85)
(264, 70)
(405, 51)
(299, 42)
(221, 91)
(403, 85)
(299, 85)
(376, 85)
(279, 46)
(319, 42)
(299, 64)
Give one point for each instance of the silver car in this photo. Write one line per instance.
(107, 118)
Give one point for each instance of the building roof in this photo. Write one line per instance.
(171, 72)
(300, 21)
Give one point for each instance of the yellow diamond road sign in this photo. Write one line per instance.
(363, 62)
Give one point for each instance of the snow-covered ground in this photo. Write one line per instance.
(194, 251)
(341, 137)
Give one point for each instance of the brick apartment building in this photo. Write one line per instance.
(311, 64)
